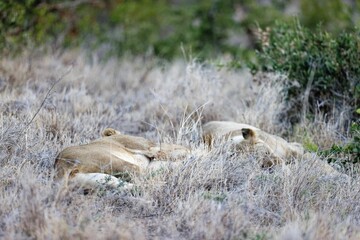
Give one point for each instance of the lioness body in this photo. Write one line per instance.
(114, 154)
(101, 156)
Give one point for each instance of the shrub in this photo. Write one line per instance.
(133, 27)
(165, 27)
(348, 153)
(327, 68)
(334, 15)
(32, 22)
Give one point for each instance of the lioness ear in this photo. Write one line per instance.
(109, 132)
(73, 172)
(248, 133)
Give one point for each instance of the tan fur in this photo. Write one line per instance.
(274, 149)
(114, 154)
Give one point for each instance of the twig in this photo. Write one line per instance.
(307, 91)
(46, 97)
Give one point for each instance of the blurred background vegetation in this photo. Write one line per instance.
(315, 43)
(164, 28)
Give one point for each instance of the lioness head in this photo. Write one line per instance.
(270, 149)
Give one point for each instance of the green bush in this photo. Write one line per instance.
(31, 22)
(165, 27)
(134, 27)
(327, 68)
(17, 23)
(333, 15)
(348, 153)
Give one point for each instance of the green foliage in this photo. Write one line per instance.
(15, 18)
(163, 28)
(215, 196)
(349, 153)
(309, 145)
(135, 27)
(324, 65)
(334, 15)
(260, 236)
(306, 138)
(264, 15)
(34, 22)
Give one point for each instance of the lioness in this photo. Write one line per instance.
(274, 149)
(114, 154)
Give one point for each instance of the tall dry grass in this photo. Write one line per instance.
(213, 195)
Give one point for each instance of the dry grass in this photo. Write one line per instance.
(215, 195)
